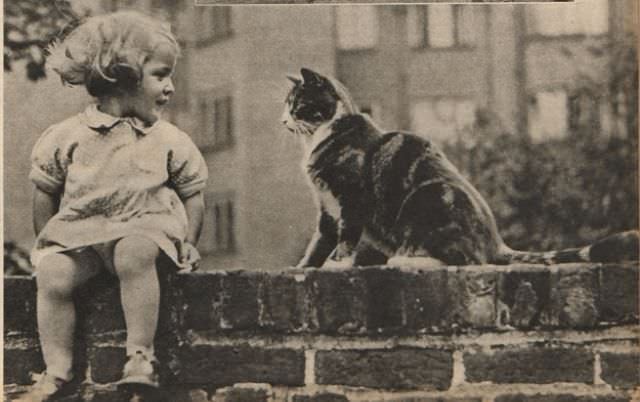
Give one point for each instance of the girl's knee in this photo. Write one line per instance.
(57, 274)
(134, 253)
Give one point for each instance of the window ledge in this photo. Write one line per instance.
(454, 48)
(538, 37)
(212, 148)
(200, 43)
(363, 50)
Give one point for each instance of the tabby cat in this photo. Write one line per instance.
(393, 197)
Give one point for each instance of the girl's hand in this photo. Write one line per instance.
(189, 257)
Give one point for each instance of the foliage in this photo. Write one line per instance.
(29, 26)
(16, 260)
(569, 191)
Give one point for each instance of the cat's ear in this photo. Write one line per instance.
(295, 80)
(311, 77)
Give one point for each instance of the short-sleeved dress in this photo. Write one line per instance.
(116, 178)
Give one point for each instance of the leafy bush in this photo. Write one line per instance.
(560, 193)
(16, 260)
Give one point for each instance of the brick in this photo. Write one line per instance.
(472, 296)
(239, 297)
(202, 293)
(430, 399)
(559, 398)
(401, 368)
(321, 397)
(284, 303)
(338, 300)
(426, 305)
(20, 362)
(109, 395)
(245, 393)
(225, 365)
(20, 305)
(619, 293)
(524, 291)
(385, 299)
(533, 364)
(621, 370)
(99, 306)
(106, 363)
(574, 297)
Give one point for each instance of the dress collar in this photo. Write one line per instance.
(100, 120)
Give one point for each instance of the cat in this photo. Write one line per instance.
(394, 197)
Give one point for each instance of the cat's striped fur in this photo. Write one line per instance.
(396, 196)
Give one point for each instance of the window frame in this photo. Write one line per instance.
(423, 20)
(211, 138)
(210, 36)
(221, 209)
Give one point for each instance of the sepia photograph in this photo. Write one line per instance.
(280, 201)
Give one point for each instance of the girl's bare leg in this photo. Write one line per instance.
(57, 276)
(135, 266)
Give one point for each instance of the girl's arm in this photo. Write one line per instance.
(45, 205)
(194, 205)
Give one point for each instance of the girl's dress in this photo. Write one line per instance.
(117, 179)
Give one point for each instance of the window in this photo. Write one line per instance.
(356, 26)
(441, 26)
(216, 122)
(582, 17)
(442, 120)
(584, 112)
(218, 232)
(212, 23)
(548, 115)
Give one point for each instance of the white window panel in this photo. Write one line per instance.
(582, 17)
(465, 114)
(440, 25)
(593, 16)
(548, 116)
(357, 26)
(441, 120)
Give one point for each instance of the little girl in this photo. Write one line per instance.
(116, 186)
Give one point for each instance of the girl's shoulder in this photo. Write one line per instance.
(171, 133)
(62, 131)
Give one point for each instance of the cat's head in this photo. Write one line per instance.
(313, 100)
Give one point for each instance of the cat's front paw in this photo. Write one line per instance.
(346, 262)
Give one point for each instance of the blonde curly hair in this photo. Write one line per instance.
(106, 53)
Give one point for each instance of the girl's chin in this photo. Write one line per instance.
(152, 116)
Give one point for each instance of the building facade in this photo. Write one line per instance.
(425, 68)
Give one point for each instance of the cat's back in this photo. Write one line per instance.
(400, 161)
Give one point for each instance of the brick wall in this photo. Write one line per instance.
(471, 334)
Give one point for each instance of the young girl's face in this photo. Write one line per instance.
(150, 99)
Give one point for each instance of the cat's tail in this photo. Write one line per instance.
(624, 246)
